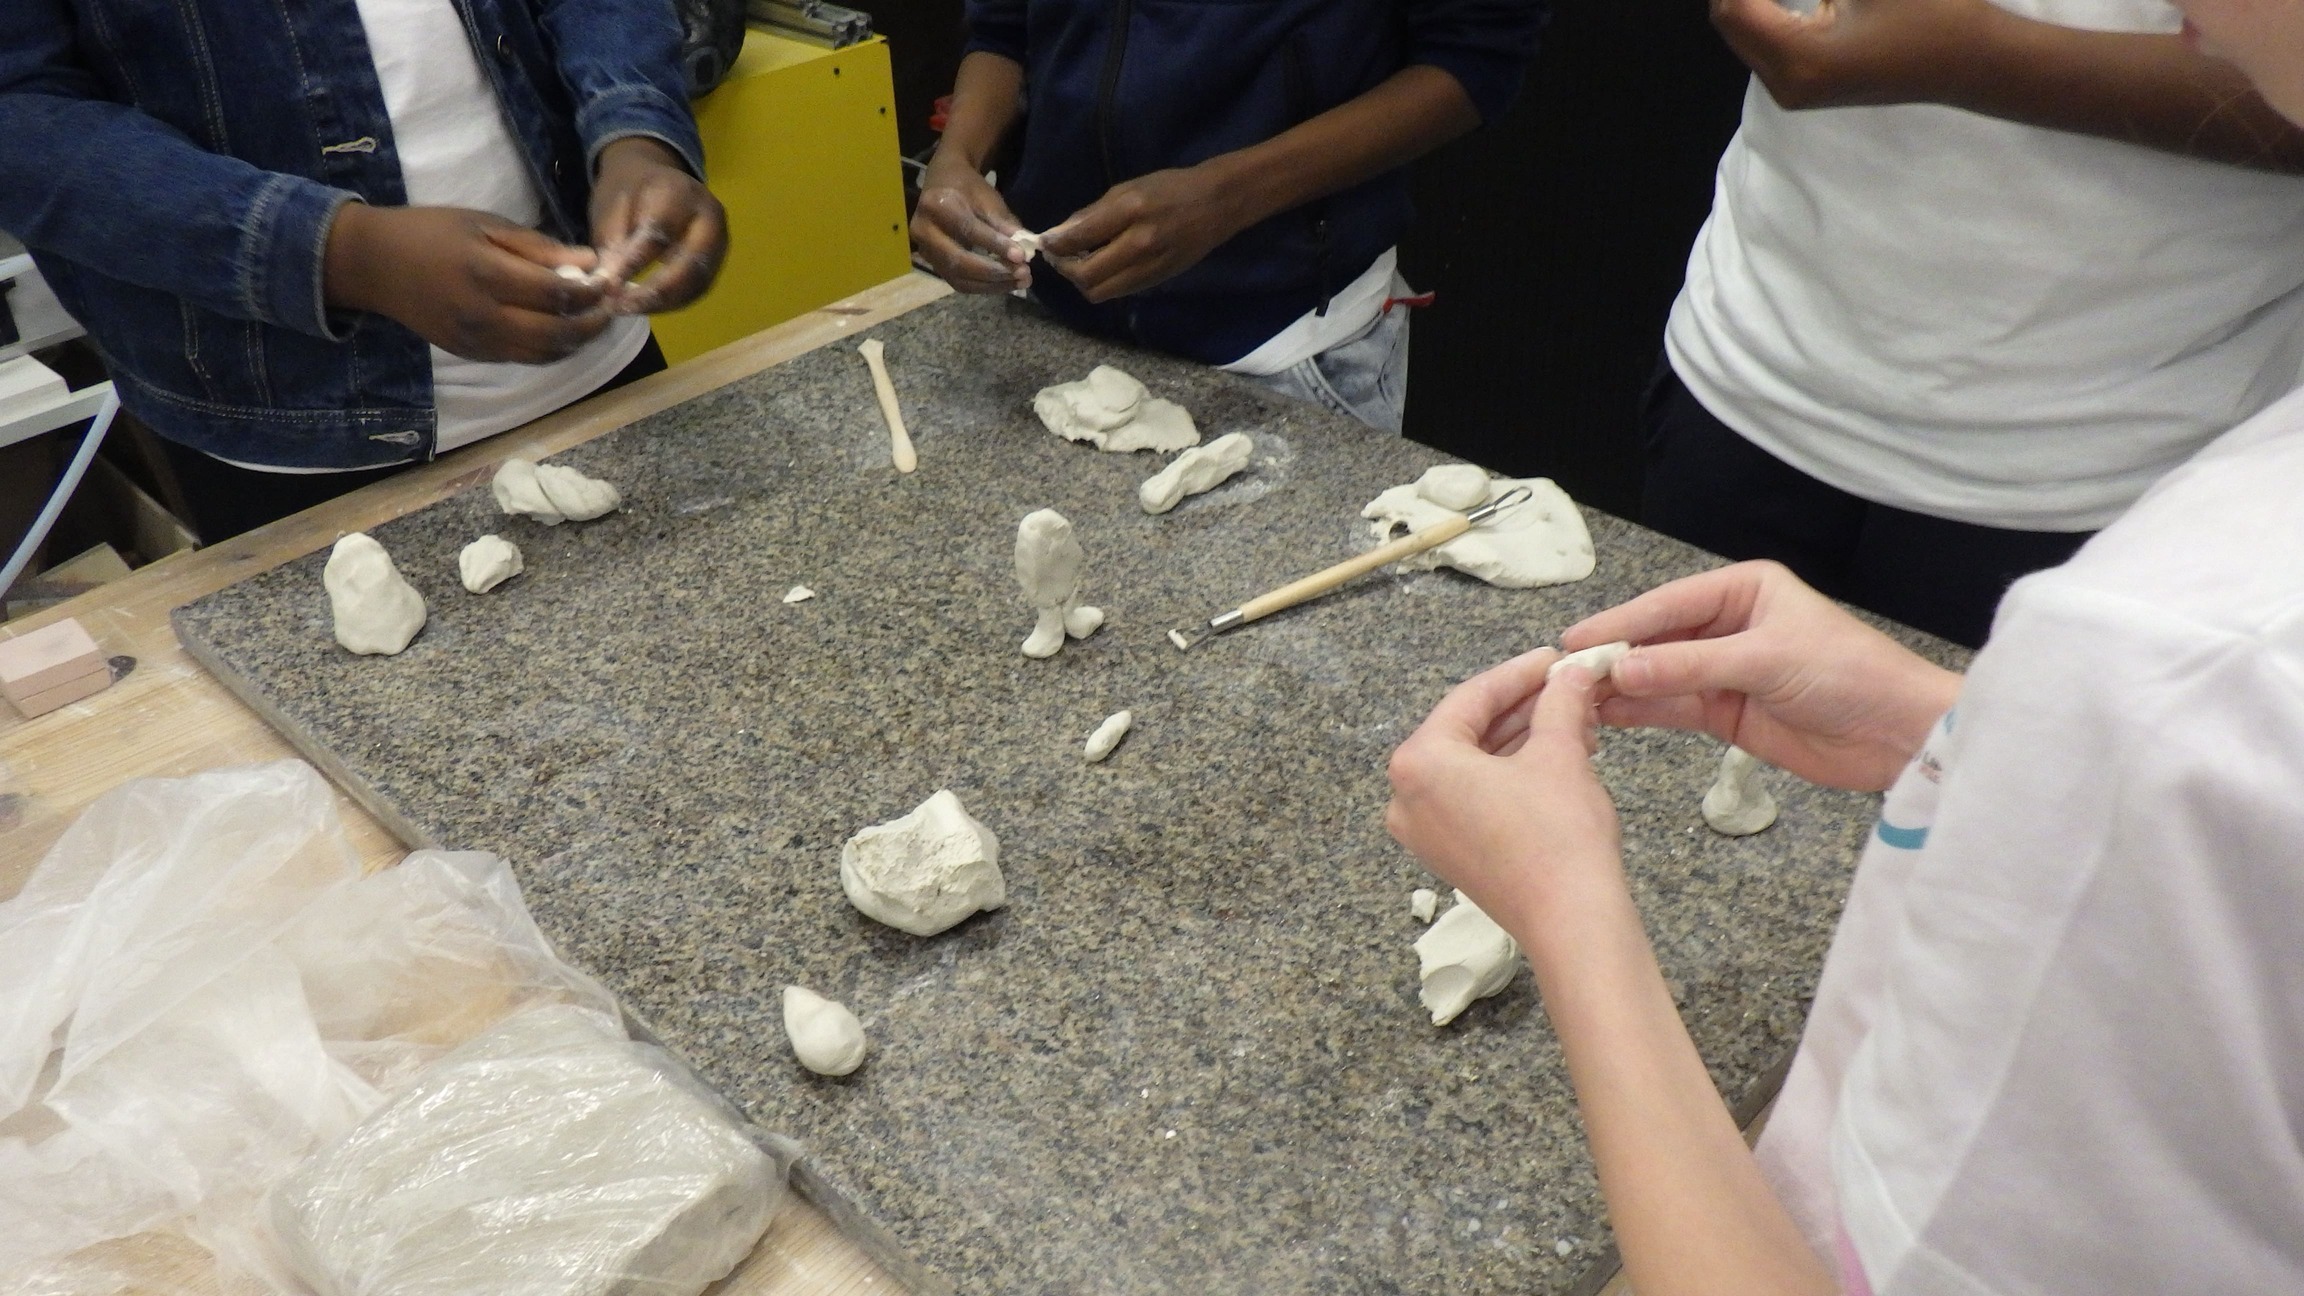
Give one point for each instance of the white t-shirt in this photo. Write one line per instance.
(2059, 1041)
(1349, 314)
(1976, 320)
(457, 150)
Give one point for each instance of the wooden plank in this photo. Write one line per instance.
(169, 717)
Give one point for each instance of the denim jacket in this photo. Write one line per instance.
(175, 166)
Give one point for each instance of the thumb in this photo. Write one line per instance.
(1564, 711)
(1755, 28)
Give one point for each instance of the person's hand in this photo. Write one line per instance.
(1857, 51)
(648, 211)
(1754, 657)
(468, 282)
(1145, 231)
(961, 227)
(1495, 793)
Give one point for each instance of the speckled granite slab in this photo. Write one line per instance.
(1187, 1057)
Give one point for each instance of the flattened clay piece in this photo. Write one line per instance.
(1109, 734)
(550, 493)
(1738, 803)
(1197, 469)
(1423, 902)
(825, 1036)
(1539, 542)
(377, 611)
(799, 594)
(1464, 957)
(926, 871)
(487, 563)
(1599, 659)
(1112, 411)
(1048, 561)
(1461, 487)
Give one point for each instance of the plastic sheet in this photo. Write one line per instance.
(198, 990)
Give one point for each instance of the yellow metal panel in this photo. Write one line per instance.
(800, 143)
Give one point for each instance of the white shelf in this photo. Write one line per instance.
(22, 424)
(40, 319)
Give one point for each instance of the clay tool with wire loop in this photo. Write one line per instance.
(1320, 582)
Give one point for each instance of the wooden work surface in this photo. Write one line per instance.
(169, 717)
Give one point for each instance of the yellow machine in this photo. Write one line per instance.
(800, 143)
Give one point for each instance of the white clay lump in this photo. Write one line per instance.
(1201, 468)
(377, 612)
(487, 563)
(825, 1036)
(1463, 957)
(1599, 659)
(552, 494)
(1737, 803)
(1112, 411)
(1108, 735)
(1423, 902)
(1541, 541)
(926, 871)
(1048, 561)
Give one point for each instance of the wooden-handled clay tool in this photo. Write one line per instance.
(899, 441)
(1320, 582)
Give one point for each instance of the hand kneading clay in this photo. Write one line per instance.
(1198, 469)
(487, 563)
(825, 1036)
(1109, 734)
(548, 1157)
(1112, 411)
(377, 611)
(1465, 956)
(1539, 542)
(1048, 560)
(551, 494)
(1737, 803)
(1598, 659)
(926, 871)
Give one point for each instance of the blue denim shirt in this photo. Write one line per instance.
(175, 165)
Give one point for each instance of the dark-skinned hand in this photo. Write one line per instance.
(648, 211)
(961, 228)
(1850, 52)
(1145, 231)
(468, 282)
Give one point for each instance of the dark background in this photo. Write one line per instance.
(1555, 238)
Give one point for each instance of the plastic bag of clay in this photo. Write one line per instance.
(551, 1156)
(198, 990)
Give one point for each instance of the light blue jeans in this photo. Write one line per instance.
(1364, 378)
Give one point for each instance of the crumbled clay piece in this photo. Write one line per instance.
(1599, 659)
(1463, 957)
(487, 563)
(825, 1036)
(1541, 541)
(1048, 561)
(1114, 412)
(799, 594)
(926, 871)
(1197, 469)
(1109, 734)
(1423, 902)
(1026, 240)
(550, 493)
(377, 611)
(1738, 803)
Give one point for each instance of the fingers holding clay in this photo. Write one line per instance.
(377, 612)
(825, 1036)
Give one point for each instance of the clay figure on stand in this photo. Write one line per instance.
(1048, 561)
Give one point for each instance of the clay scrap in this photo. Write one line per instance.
(552, 494)
(1464, 957)
(377, 612)
(1048, 561)
(825, 1036)
(1540, 542)
(1738, 804)
(1198, 469)
(1112, 411)
(926, 871)
(1108, 735)
(487, 563)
